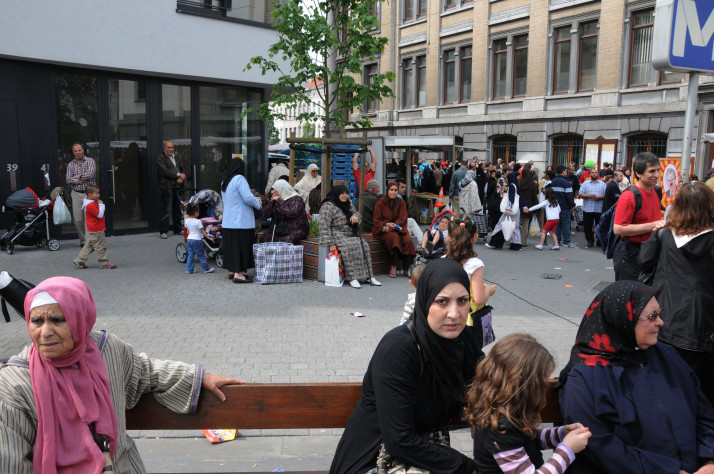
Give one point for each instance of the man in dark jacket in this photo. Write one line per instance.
(171, 175)
(612, 191)
(455, 188)
(564, 193)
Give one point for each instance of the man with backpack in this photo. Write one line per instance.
(563, 188)
(637, 215)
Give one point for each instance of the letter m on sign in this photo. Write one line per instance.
(687, 20)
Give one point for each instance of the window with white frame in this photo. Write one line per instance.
(640, 70)
(574, 58)
(456, 75)
(509, 66)
(413, 81)
(413, 10)
(370, 72)
(447, 5)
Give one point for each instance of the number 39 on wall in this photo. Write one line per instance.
(11, 167)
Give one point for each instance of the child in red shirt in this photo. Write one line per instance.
(96, 241)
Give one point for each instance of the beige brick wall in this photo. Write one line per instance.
(610, 45)
(537, 48)
(479, 65)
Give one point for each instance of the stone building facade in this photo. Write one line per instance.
(551, 81)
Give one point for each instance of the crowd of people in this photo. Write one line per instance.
(636, 394)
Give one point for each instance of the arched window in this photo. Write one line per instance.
(652, 142)
(567, 149)
(504, 147)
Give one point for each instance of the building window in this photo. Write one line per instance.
(421, 81)
(561, 63)
(370, 72)
(414, 10)
(651, 142)
(449, 4)
(504, 147)
(587, 66)
(641, 44)
(407, 78)
(500, 64)
(520, 65)
(449, 76)
(567, 149)
(466, 56)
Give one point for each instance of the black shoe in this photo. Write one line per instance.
(590, 245)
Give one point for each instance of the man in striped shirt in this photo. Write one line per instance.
(81, 173)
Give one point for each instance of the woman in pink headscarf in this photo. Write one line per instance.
(63, 398)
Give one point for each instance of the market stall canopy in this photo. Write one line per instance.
(430, 143)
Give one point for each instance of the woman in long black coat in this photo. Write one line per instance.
(412, 389)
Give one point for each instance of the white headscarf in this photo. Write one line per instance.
(283, 187)
(308, 183)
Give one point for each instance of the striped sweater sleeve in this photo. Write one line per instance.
(516, 461)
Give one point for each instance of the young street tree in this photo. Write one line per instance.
(328, 41)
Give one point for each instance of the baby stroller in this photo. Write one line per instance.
(32, 224)
(210, 212)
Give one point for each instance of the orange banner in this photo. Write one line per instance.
(669, 179)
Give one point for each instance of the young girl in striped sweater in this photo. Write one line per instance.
(503, 406)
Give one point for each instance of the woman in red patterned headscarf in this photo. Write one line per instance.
(390, 225)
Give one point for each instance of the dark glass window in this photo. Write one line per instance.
(520, 65)
(561, 63)
(466, 58)
(587, 67)
(449, 76)
(421, 81)
(500, 58)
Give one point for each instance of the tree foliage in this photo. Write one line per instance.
(273, 135)
(327, 43)
(308, 130)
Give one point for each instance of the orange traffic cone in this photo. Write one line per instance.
(440, 202)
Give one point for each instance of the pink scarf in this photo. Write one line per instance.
(71, 392)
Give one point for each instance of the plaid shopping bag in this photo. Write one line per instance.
(277, 262)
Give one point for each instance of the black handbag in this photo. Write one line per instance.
(648, 277)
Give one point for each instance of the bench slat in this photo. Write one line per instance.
(255, 406)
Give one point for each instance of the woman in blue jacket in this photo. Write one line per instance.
(640, 400)
(238, 222)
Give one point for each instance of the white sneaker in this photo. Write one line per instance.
(555, 247)
(374, 282)
(539, 247)
(355, 284)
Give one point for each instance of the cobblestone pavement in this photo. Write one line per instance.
(288, 333)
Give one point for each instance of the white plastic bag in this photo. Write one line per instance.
(507, 227)
(334, 275)
(505, 201)
(60, 213)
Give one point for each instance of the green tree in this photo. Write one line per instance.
(308, 131)
(327, 42)
(273, 135)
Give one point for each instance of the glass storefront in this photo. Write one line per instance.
(224, 133)
(113, 117)
(127, 154)
(176, 125)
(77, 122)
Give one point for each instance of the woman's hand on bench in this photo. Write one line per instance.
(214, 382)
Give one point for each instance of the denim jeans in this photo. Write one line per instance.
(563, 229)
(195, 249)
(170, 206)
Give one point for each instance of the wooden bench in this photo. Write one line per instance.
(313, 257)
(274, 406)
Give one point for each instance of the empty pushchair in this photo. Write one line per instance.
(32, 223)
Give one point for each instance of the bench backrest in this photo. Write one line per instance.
(273, 406)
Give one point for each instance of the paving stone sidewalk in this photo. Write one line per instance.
(287, 333)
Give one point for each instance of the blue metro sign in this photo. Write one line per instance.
(684, 35)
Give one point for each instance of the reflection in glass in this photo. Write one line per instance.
(520, 66)
(77, 121)
(127, 134)
(449, 76)
(176, 123)
(499, 69)
(642, 25)
(466, 74)
(224, 133)
(407, 77)
(421, 81)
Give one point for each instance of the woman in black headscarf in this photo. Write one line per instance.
(416, 381)
(238, 222)
(339, 230)
(640, 400)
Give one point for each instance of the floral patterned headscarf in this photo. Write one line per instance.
(606, 336)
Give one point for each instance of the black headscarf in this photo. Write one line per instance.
(451, 362)
(334, 197)
(607, 333)
(235, 166)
